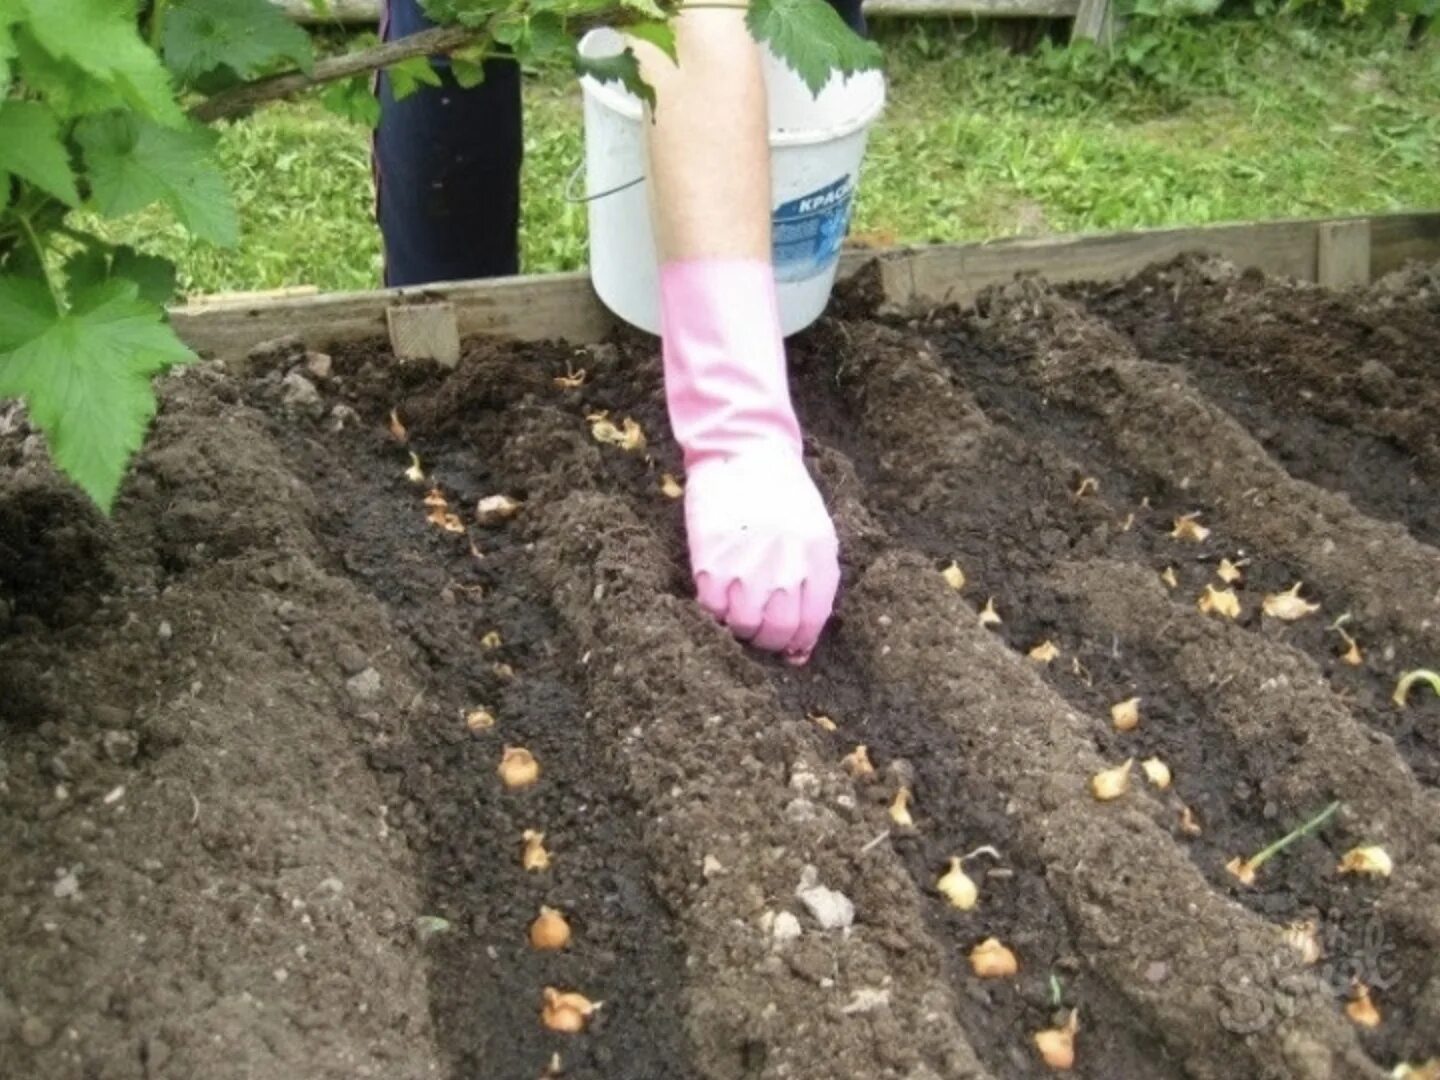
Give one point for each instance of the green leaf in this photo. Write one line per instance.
(659, 34)
(354, 99)
(133, 162)
(649, 8)
(26, 310)
(622, 68)
(85, 375)
(98, 263)
(468, 73)
(245, 36)
(154, 275)
(9, 14)
(407, 76)
(68, 89)
(811, 38)
(102, 38)
(31, 148)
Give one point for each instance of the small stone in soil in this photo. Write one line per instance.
(831, 909)
(318, 364)
(35, 1033)
(365, 685)
(121, 747)
(786, 928)
(351, 659)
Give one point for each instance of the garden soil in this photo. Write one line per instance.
(250, 727)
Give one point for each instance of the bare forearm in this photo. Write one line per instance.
(708, 143)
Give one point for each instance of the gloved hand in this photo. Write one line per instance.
(762, 546)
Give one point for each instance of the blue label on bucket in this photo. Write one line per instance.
(809, 231)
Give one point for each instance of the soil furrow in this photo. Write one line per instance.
(1142, 914)
(740, 805)
(1341, 393)
(490, 641)
(196, 873)
(732, 796)
(1166, 429)
(907, 749)
(943, 468)
(1277, 705)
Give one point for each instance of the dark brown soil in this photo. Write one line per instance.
(250, 833)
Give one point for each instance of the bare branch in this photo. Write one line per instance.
(241, 99)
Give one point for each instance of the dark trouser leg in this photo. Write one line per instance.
(447, 166)
(849, 10)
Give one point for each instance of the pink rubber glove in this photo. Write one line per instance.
(762, 546)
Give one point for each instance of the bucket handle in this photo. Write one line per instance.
(572, 197)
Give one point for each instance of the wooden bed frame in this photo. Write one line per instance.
(1333, 251)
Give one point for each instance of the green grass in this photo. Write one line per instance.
(1221, 120)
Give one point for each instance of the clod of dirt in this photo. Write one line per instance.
(832, 909)
(785, 929)
(1288, 605)
(549, 931)
(518, 768)
(1157, 772)
(1125, 715)
(1188, 527)
(992, 960)
(1110, 784)
(1372, 861)
(493, 509)
(1057, 1045)
(954, 576)
(958, 887)
(1219, 602)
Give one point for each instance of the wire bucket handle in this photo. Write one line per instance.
(573, 196)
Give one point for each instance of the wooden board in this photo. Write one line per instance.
(359, 12)
(565, 306)
(1342, 254)
(1009, 9)
(1094, 22)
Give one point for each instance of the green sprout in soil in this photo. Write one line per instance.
(1409, 679)
(1057, 994)
(1246, 869)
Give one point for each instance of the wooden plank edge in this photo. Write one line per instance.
(1342, 253)
(546, 306)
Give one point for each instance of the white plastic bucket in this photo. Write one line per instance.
(816, 146)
